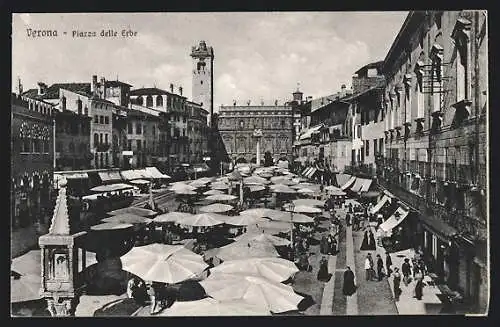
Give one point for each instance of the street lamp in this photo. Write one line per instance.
(291, 208)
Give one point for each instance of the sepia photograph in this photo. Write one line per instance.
(268, 163)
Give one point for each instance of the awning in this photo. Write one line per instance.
(358, 183)
(155, 173)
(342, 179)
(110, 176)
(307, 134)
(311, 172)
(366, 185)
(111, 187)
(200, 168)
(380, 204)
(438, 227)
(76, 176)
(389, 194)
(394, 221)
(348, 183)
(304, 171)
(129, 175)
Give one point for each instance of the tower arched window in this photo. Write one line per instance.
(79, 106)
(242, 124)
(159, 101)
(63, 102)
(149, 101)
(96, 139)
(201, 82)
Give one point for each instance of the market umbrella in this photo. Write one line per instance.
(255, 180)
(263, 212)
(309, 202)
(337, 192)
(173, 216)
(280, 188)
(246, 249)
(266, 175)
(127, 218)
(219, 186)
(256, 188)
(221, 197)
(198, 183)
(286, 182)
(181, 186)
(240, 220)
(216, 207)
(139, 181)
(111, 187)
(270, 227)
(110, 226)
(202, 220)
(275, 269)
(302, 209)
(275, 297)
(25, 288)
(212, 192)
(311, 186)
(134, 211)
(185, 192)
(213, 307)
(263, 237)
(296, 218)
(163, 263)
(306, 191)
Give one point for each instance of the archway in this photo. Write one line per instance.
(241, 160)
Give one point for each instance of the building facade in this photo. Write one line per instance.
(32, 162)
(236, 125)
(203, 77)
(197, 132)
(436, 141)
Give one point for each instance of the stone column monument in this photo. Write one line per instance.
(257, 133)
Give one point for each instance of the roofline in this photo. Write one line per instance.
(379, 63)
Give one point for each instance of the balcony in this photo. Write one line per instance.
(361, 170)
(102, 147)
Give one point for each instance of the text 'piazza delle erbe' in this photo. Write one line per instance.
(104, 33)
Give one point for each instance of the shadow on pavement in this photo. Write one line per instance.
(120, 307)
(306, 302)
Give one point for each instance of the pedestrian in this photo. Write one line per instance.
(397, 283)
(323, 270)
(367, 267)
(372, 271)
(419, 287)
(388, 264)
(131, 285)
(406, 270)
(348, 219)
(334, 246)
(364, 243)
(323, 245)
(380, 267)
(349, 286)
(152, 297)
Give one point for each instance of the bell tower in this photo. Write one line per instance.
(203, 77)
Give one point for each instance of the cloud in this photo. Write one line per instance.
(257, 55)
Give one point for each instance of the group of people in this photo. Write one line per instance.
(419, 271)
(156, 293)
(328, 245)
(381, 272)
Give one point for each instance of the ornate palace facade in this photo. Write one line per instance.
(237, 125)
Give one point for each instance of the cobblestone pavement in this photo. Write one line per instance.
(374, 297)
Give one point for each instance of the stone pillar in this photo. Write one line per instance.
(258, 151)
(60, 307)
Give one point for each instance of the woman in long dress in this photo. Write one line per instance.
(364, 244)
(323, 270)
(349, 286)
(371, 239)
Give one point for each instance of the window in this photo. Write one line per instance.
(79, 106)
(129, 145)
(159, 101)
(139, 101)
(138, 145)
(154, 130)
(106, 162)
(358, 131)
(106, 139)
(96, 119)
(101, 119)
(138, 128)
(96, 139)
(100, 138)
(367, 147)
(106, 119)
(25, 145)
(149, 101)
(130, 129)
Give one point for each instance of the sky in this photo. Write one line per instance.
(259, 56)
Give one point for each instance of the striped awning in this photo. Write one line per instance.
(311, 172)
(342, 179)
(348, 184)
(110, 176)
(380, 204)
(366, 185)
(397, 217)
(358, 183)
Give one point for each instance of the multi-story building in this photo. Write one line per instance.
(32, 162)
(197, 132)
(237, 125)
(436, 141)
(142, 137)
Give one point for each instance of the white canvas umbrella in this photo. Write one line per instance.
(221, 197)
(185, 192)
(263, 237)
(302, 209)
(255, 180)
(26, 288)
(212, 192)
(239, 220)
(273, 296)
(127, 218)
(181, 187)
(202, 220)
(280, 188)
(216, 207)
(296, 218)
(309, 202)
(256, 188)
(246, 249)
(275, 269)
(171, 217)
(163, 263)
(212, 307)
(219, 186)
(307, 191)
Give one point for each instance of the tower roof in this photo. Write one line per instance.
(202, 51)
(60, 219)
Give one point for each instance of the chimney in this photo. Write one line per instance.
(42, 88)
(261, 102)
(19, 86)
(103, 88)
(248, 103)
(180, 90)
(275, 102)
(93, 86)
(234, 103)
(171, 88)
(343, 90)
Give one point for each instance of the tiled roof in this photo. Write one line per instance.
(377, 64)
(116, 83)
(152, 91)
(80, 88)
(31, 93)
